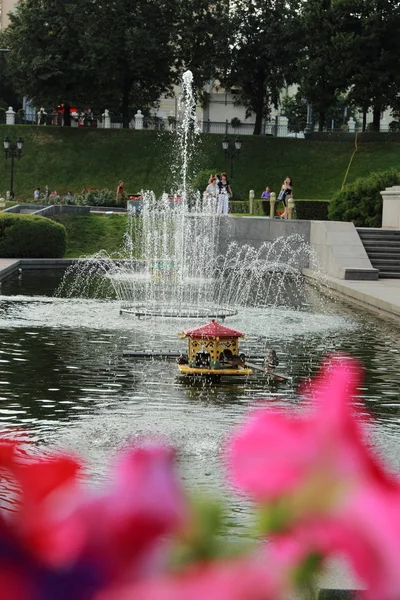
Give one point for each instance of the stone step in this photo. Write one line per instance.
(381, 243)
(382, 240)
(389, 275)
(383, 256)
(387, 269)
(380, 263)
(383, 232)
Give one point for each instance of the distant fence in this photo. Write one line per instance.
(278, 127)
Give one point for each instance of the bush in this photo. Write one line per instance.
(30, 236)
(91, 197)
(200, 180)
(239, 206)
(312, 210)
(394, 126)
(361, 201)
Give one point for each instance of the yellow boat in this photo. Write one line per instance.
(213, 351)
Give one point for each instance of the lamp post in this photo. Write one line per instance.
(12, 151)
(309, 125)
(231, 151)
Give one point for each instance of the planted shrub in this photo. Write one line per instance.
(361, 202)
(93, 197)
(30, 236)
(239, 206)
(200, 180)
(312, 210)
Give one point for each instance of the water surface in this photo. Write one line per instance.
(64, 378)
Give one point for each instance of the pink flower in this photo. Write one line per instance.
(63, 541)
(317, 456)
(244, 579)
(366, 531)
(326, 491)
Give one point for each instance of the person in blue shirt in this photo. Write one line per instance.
(266, 195)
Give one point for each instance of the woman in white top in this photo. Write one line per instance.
(212, 188)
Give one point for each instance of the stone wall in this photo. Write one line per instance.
(336, 245)
(256, 230)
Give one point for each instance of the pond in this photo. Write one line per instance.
(65, 380)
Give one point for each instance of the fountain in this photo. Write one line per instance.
(170, 264)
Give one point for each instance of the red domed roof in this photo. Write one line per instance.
(212, 330)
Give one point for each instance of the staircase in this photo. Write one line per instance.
(383, 249)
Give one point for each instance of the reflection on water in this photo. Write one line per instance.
(63, 376)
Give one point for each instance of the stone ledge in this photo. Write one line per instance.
(361, 274)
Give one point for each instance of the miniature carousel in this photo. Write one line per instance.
(213, 351)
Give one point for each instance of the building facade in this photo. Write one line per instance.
(6, 6)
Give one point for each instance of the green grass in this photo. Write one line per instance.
(90, 233)
(67, 158)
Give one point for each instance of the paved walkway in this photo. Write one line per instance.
(381, 296)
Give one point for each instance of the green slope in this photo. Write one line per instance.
(76, 158)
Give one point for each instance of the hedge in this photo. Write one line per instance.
(308, 210)
(30, 236)
(312, 210)
(361, 202)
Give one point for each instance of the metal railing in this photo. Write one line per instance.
(93, 121)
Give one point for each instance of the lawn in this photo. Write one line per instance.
(71, 158)
(90, 233)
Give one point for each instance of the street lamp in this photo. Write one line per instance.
(231, 150)
(12, 151)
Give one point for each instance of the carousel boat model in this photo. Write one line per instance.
(213, 351)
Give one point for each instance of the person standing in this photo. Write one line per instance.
(120, 192)
(212, 188)
(224, 193)
(284, 195)
(36, 194)
(47, 192)
(266, 195)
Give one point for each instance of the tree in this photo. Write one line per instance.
(129, 46)
(200, 39)
(325, 67)
(375, 79)
(264, 40)
(295, 109)
(110, 52)
(8, 95)
(45, 57)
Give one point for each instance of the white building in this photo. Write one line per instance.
(6, 6)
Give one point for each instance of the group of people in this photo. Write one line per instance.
(219, 188)
(284, 195)
(49, 195)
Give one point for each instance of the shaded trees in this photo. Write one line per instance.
(264, 38)
(201, 39)
(129, 47)
(92, 53)
(375, 48)
(324, 69)
(45, 57)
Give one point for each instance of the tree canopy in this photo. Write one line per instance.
(264, 42)
(125, 54)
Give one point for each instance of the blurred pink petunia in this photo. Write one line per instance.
(319, 453)
(316, 474)
(242, 579)
(65, 541)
